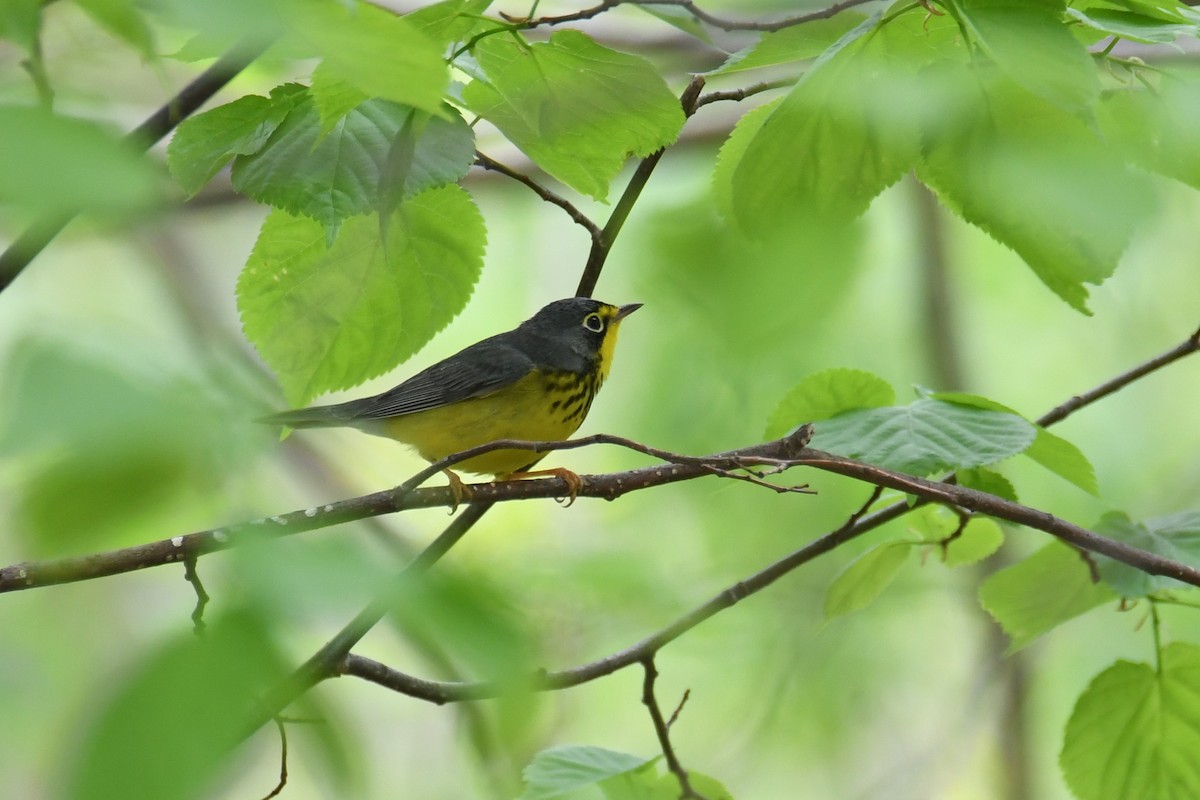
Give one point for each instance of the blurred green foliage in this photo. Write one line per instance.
(783, 269)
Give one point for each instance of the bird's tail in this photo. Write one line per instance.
(315, 417)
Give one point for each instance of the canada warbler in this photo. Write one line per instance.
(535, 382)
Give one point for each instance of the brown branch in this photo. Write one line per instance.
(577, 216)
(749, 91)
(35, 574)
(1187, 347)
(283, 754)
(29, 244)
(662, 731)
(447, 692)
(603, 245)
(695, 11)
(440, 692)
(202, 598)
(855, 525)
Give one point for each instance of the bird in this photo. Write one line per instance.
(535, 382)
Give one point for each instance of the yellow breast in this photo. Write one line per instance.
(539, 407)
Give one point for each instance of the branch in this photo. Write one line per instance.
(698, 13)
(778, 454)
(742, 94)
(34, 574)
(202, 598)
(440, 692)
(35, 238)
(1188, 346)
(577, 216)
(601, 246)
(662, 731)
(283, 754)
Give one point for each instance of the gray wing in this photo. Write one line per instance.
(479, 370)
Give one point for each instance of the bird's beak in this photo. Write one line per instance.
(625, 311)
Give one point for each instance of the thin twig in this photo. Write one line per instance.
(38, 235)
(695, 11)
(679, 708)
(577, 216)
(202, 598)
(283, 754)
(440, 692)
(324, 663)
(662, 730)
(603, 245)
(36, 574)
(1058, 413)
(786, 451)
(742, 94)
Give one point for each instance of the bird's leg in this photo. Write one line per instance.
(574, 482)
(458, 490)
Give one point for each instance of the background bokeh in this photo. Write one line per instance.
(128, 394)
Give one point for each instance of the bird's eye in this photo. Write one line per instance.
(593, 323)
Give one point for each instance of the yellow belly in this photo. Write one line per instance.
(538, 407)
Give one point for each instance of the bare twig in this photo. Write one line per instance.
(662, 731)
(603, 245)
(283, 754)
(695, 11)
(788, 451)
(1058, 413)
(742, 94)
(35, 238)
(679, 708)
(202, 598)
(577, 216)
(440, 692)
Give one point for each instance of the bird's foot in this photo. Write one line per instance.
(458, 490)
(573, 481)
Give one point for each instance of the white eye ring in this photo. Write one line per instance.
(593, 323)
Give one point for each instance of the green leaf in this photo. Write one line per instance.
(827, 393)
(327, 319)
(643, 783)
(20, 21)
(1039, 181)
(1159, 131)
(732, 151)
(1052, 452)
(845, 132)
(51, 163)
(924, 437)
(334, 97)
(337, 175)
(1176, 537)
(448, 21)
(1133, 26)
(709, 787)
(1029, 42)
(865, 578)
(555, 772)
(1065, 460)
(374, 50)
(110, 439)
(578, 109)
(983, 479)
(206, 142)
(1135, 731)
(172, 721)
(1041, 592)
(979, 539)
(792, 44)
(124, 20)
